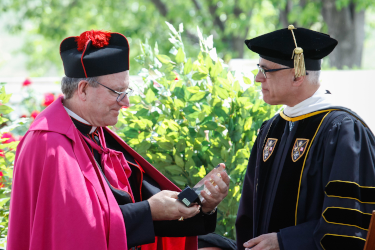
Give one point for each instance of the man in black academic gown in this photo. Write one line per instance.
(310, 182)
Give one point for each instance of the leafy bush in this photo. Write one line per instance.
(191, 115)
(7, 154)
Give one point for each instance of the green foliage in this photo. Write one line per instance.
(48, 22)
(7, 155)
(193, 114)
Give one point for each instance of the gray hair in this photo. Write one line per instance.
(69, 85)
(313, 77)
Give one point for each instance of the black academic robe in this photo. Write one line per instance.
(140, 228)
(312, 181)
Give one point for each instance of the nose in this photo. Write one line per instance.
(260, 77)
(125, 101)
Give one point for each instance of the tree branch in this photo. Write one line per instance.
(283, 16)
(237, 10)
(198, 7)
(161, 7)
(212, 7)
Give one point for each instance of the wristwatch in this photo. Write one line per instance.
(209, 213)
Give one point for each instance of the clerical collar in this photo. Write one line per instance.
(319, 100)
(82, 125)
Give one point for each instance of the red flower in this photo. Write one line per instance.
(156, 85)
(1, 174)
(1, 155)
(34, 114)
(23, 116)
(48, 99)
(176, 76)
(26, 82)
(9, 136)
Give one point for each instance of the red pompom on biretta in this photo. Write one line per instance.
(98, 38)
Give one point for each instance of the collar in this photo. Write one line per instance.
(319, 100)
(82, 125)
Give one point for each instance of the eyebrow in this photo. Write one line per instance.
(263, 66)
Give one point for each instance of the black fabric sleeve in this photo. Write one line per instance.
(138, 223)
(298, 237)
(345, 155)
(280, 240)
(349, 159)
(244, 221)
(198, 225)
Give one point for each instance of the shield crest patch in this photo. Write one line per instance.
(269, 148)
(299, 148)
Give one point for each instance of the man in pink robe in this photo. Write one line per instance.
(77, 185)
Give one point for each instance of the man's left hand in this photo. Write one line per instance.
(217, 193)
(263, 242)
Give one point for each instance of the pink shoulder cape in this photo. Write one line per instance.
(61, 201)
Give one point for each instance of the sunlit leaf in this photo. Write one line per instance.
(175, 170)
(188, 66)
(246, 80)
(150, 96)
(197, 97)
(171, 27)
(180, 57)
(201, 173)
(199, 76)
(5, 109)
(164, 59)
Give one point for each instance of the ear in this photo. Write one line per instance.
(297, 81)
(82, 89)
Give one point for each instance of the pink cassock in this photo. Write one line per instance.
(61, 201)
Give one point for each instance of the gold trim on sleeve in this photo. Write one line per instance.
(338, 235)
(344, 197)
(366, 229)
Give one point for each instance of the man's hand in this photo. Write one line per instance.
(217, 193)
(165, 206)
(263, 242)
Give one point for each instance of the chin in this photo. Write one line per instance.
(270, 101)
(111, 122)
(266, 100)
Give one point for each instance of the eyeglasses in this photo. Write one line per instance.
(121, 95)
(264, 71)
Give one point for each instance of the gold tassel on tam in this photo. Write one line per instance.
(299, 60)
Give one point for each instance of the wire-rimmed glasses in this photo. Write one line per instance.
(121, 95)
(264, 71)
